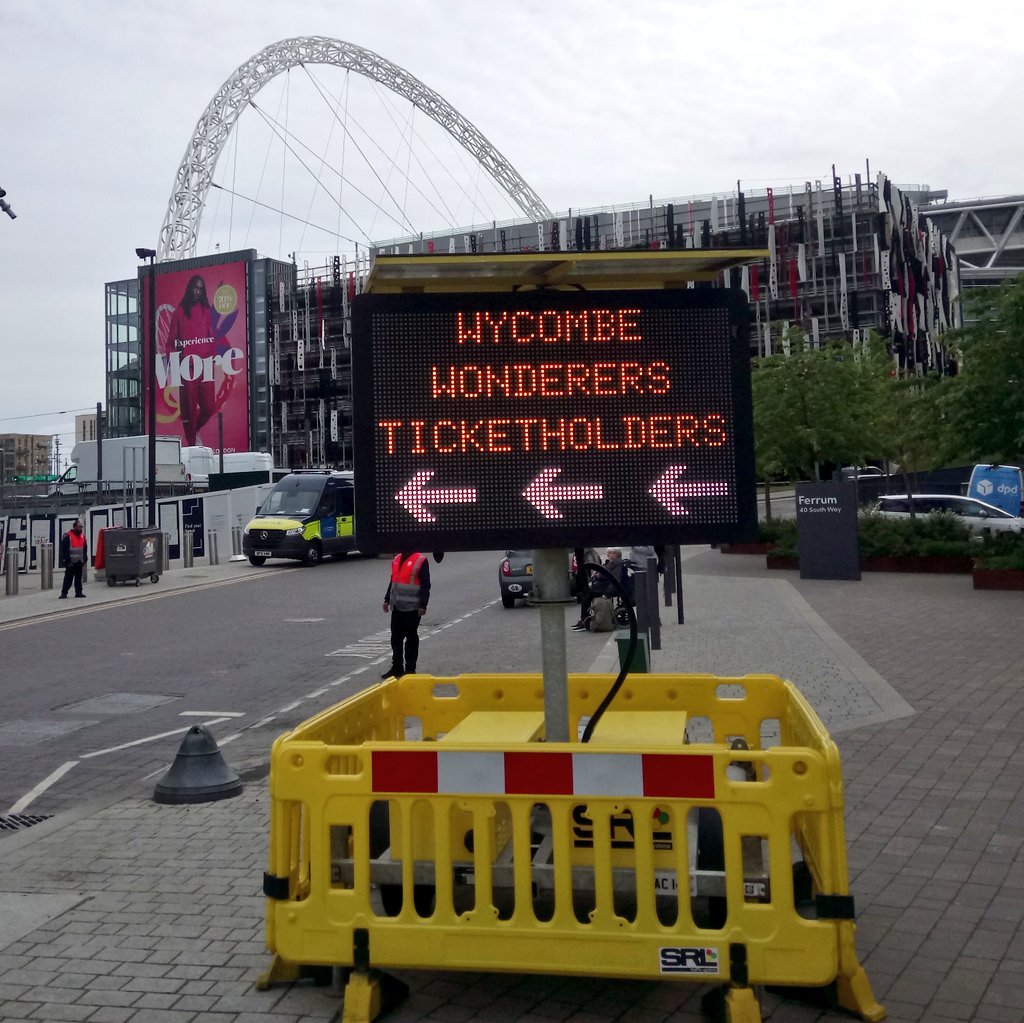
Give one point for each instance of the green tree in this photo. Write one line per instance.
(983, 406)
(814, 406)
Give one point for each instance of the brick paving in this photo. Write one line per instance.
(155, 913)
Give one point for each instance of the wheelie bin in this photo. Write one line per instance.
(131, 554)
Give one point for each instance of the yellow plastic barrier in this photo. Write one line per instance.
(698, 836)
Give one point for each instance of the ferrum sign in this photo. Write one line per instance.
(552, 419)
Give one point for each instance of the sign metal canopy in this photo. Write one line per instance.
(552, 418)
(647, 268)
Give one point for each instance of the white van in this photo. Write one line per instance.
(199, 462)
(248, 461)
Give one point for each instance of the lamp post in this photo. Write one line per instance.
(150, 378)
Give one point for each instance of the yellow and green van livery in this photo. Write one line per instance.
(308, 515)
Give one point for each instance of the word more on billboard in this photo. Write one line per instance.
(202, 354)
(552, 419)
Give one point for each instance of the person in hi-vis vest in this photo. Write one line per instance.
(406, 598)
(73, 552)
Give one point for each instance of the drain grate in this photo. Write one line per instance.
(19, 821)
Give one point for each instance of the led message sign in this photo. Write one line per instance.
(552, 419)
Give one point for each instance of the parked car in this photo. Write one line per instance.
(978, 516)
(515, 577)
(862, 472)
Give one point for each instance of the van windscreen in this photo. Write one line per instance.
(293, 497)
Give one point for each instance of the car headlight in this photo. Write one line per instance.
(296, 531)
(245, 531)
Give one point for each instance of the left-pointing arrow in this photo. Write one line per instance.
(669, 488)
(540, 493)
(414, 496)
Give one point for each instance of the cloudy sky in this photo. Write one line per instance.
(594, 102)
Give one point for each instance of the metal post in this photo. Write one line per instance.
(551, 592)
(220, 441)
(236, 541)
(188, 548)
(653, 608)
(668, 574)
(149, 379)
(11, 568)
(46, 566)
(677, 559)
(99, 445)
(640, 594)
(211, 547)
(151, 390)
(167, 552)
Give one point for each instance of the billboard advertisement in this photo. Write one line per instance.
(202, 354)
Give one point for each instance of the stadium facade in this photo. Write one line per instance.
(845, 258)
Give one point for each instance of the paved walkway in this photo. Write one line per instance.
(140, 912)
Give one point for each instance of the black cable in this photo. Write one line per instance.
(627, 660)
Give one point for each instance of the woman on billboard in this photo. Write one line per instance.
(191, 333)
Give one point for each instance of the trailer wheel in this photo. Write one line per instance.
(154, 578)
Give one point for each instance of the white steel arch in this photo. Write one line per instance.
(195, 173)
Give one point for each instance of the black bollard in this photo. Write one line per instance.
(199, 773)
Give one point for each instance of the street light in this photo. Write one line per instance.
(150, 362)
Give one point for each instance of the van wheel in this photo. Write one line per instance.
(313, 555)
(253, 560)
(507, 601)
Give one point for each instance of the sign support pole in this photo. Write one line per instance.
(551, 592)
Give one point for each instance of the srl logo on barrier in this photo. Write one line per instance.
(689, 960)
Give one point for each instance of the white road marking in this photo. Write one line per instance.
(39, 789)
(382, 650)
(212, 714)
(148, 738)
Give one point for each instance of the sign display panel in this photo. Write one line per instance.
(552, 419)
(202, 354)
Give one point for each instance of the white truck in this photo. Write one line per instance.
(125, 462)
(202, 462)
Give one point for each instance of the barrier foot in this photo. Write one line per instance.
(732, 1004)
(281, 971)
(368, 993)
(854, 994)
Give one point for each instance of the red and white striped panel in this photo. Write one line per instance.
(459, 772)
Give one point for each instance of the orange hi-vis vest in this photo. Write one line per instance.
(76, 543)
(405, 582)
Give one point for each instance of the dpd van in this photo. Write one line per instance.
(308, 514)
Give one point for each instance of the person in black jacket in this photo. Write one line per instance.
(74, 550)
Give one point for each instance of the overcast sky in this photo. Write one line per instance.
(594, 102)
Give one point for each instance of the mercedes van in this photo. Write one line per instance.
(308, 515)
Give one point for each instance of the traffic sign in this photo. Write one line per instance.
(552, 419)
